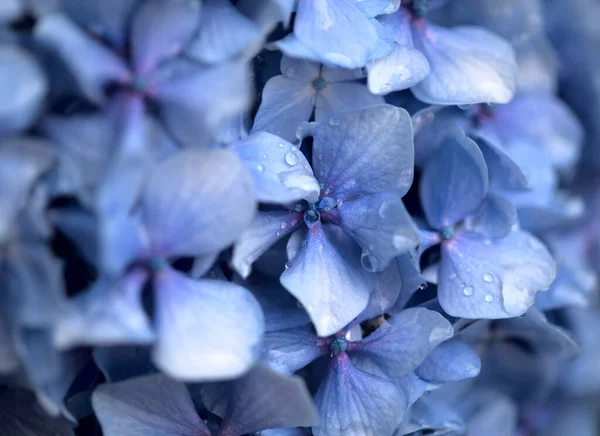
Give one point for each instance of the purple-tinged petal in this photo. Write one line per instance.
(342, 97)
(468, 65)
(454, 181)
(481, 278)
(160, 30)
(196, 101)
(401, 344)
(105, 18)
(332, 289)
(265, 399)
(494, 218)
(351, 401)
(197, 202)
(206, 329)
(285, 104)
(22, 162)
(265, 229)
(20, 415)
(337, 30)
(23, 89)
(452, 360)
(289, 350)
(280, 171)
(224, 33)
(109, 313)
(147, 406)
(93, 65)
(351, 147)
(380, 224)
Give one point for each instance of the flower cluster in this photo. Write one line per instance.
(296, 217)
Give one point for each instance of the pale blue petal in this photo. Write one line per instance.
(341, 97)
(285, 104)
(402, 69)
(372, 8)
(23, 87)
(332, 289)
(350, 147)
(468, 65)
(504, 172)
(494, 218)
(197, 202)
(302, 70)
(450, 361)
(93, 65)
(265, 399)
(480, 278)
(109, 313)
(353, 402)
(385, 294)
(206, 329)
(265, 229)
(401, 344)
(337, 30)
(224, 33)
(289, 350)
(454, 180)
(380, 224)
(147, 406)
(160, 30)
(280, 171)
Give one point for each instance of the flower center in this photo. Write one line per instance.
(319, 84)
(447, 232)
(419, 7)
(138, 84)
(338, 345)
(157, 263)
(312, 216)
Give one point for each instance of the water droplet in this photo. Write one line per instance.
(288, 265)
(487, 242)
(489, 298)
(291, 158)
(281, 145)
(265, 155)
(488, 277)
(284, 225)
(260, 168)
(468, 291)
(334, 121)
(278, 232)
(452, 276)
(294, 148)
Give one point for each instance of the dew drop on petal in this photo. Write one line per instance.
(260, 168)
(288, 265)
(334, 121)
(468, 291)
(452, 276)
(488, 278)
(291, 158)
(281, 145)
(489, 298)
(284, 225)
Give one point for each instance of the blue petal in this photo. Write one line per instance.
(292, 47)
(494, 415)
(93, 65)
(147, 406)
(372, 8)
(197, 202)
(385, 294)
(341, 97)
(9, 358)
(385, 42)
(280, 171)
(504, 173)
(435, 417)
(285, 104)
(350, 147)
(10, 10)
(380, 224)
(480, 278)
(191, 116)
(454, 181)
(123, 362)
(337, 30)
(482, 69)
(106, 18)
(404, 68)
(23, 89)
(224, 33)
(265, 399)
(160, 30)
(302, 70)
(206, 329)
(266, 229)
(22, 163)
(289, 350)
(494, 218)
(402, 343)
(109, 313)
(452, 360)
(353, 402)
(332, 290)
(20, 415)
(411, 280)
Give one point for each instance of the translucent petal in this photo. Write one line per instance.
(350, 147)
(341, 97)
(289, 350)
(402, 69)
(493, 279)
(450, 361)
(222, 343)
(494, 218)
